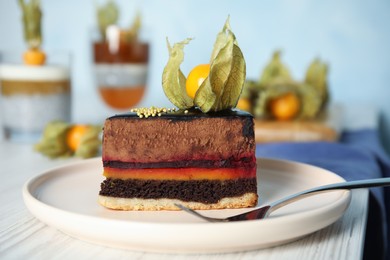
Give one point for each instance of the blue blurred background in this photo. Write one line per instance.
(353, 37)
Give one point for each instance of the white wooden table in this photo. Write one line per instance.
(22, 236)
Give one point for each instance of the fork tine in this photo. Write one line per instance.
(193, 212)
(259, 213)
(263, 212)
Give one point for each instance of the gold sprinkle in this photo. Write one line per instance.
(153, 111)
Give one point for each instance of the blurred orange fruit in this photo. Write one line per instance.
(74, 135)
(285, 107)
(244, 104)
(34, 57)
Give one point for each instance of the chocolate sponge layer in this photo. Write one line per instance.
(204, 191)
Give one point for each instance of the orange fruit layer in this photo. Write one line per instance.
(180, 173)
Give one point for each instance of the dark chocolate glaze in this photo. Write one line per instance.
(192, 114)
(205, 191)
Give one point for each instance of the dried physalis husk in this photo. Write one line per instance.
(173, 79)
(90, 142)
(309, 97)
(249, 88)
(222, 88)
(275, 71)
(311, 101)
(131, 34)
(32, 17)
(269, 93)
(107, 14)
(205, 96)
(53, 142)
(316, 76)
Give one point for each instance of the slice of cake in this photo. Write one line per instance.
(203, 161)
(201, 156)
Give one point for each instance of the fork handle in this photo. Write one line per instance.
(379, 182)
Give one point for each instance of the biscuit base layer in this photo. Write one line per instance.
(244, 201)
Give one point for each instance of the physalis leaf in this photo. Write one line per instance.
(205, 96)
(90, 142)
(275, 71)
(173, 79)
(311, 101)
(107, 15)
(316, 76)
(235, 81)
(53, 143)
(224, 84)
(220, 42)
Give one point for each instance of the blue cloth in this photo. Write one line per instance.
(358, 155)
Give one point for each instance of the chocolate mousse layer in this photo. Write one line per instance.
(204, 191)
(223, 139)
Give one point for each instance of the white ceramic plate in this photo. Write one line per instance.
(66, 198)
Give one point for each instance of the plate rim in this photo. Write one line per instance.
(31, 201)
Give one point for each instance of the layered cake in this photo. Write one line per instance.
(201, 156)
(203, 161)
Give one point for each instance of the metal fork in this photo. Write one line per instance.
(265, 211)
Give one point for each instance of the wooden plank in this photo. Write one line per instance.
(327, 127)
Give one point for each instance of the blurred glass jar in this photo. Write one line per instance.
(32, 96)
(121, 69)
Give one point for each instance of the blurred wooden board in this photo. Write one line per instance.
(327, 127)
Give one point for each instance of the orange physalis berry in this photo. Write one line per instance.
(285, 107)
(195, 78)
(244, 104)
(34, 57)
(74, 135)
